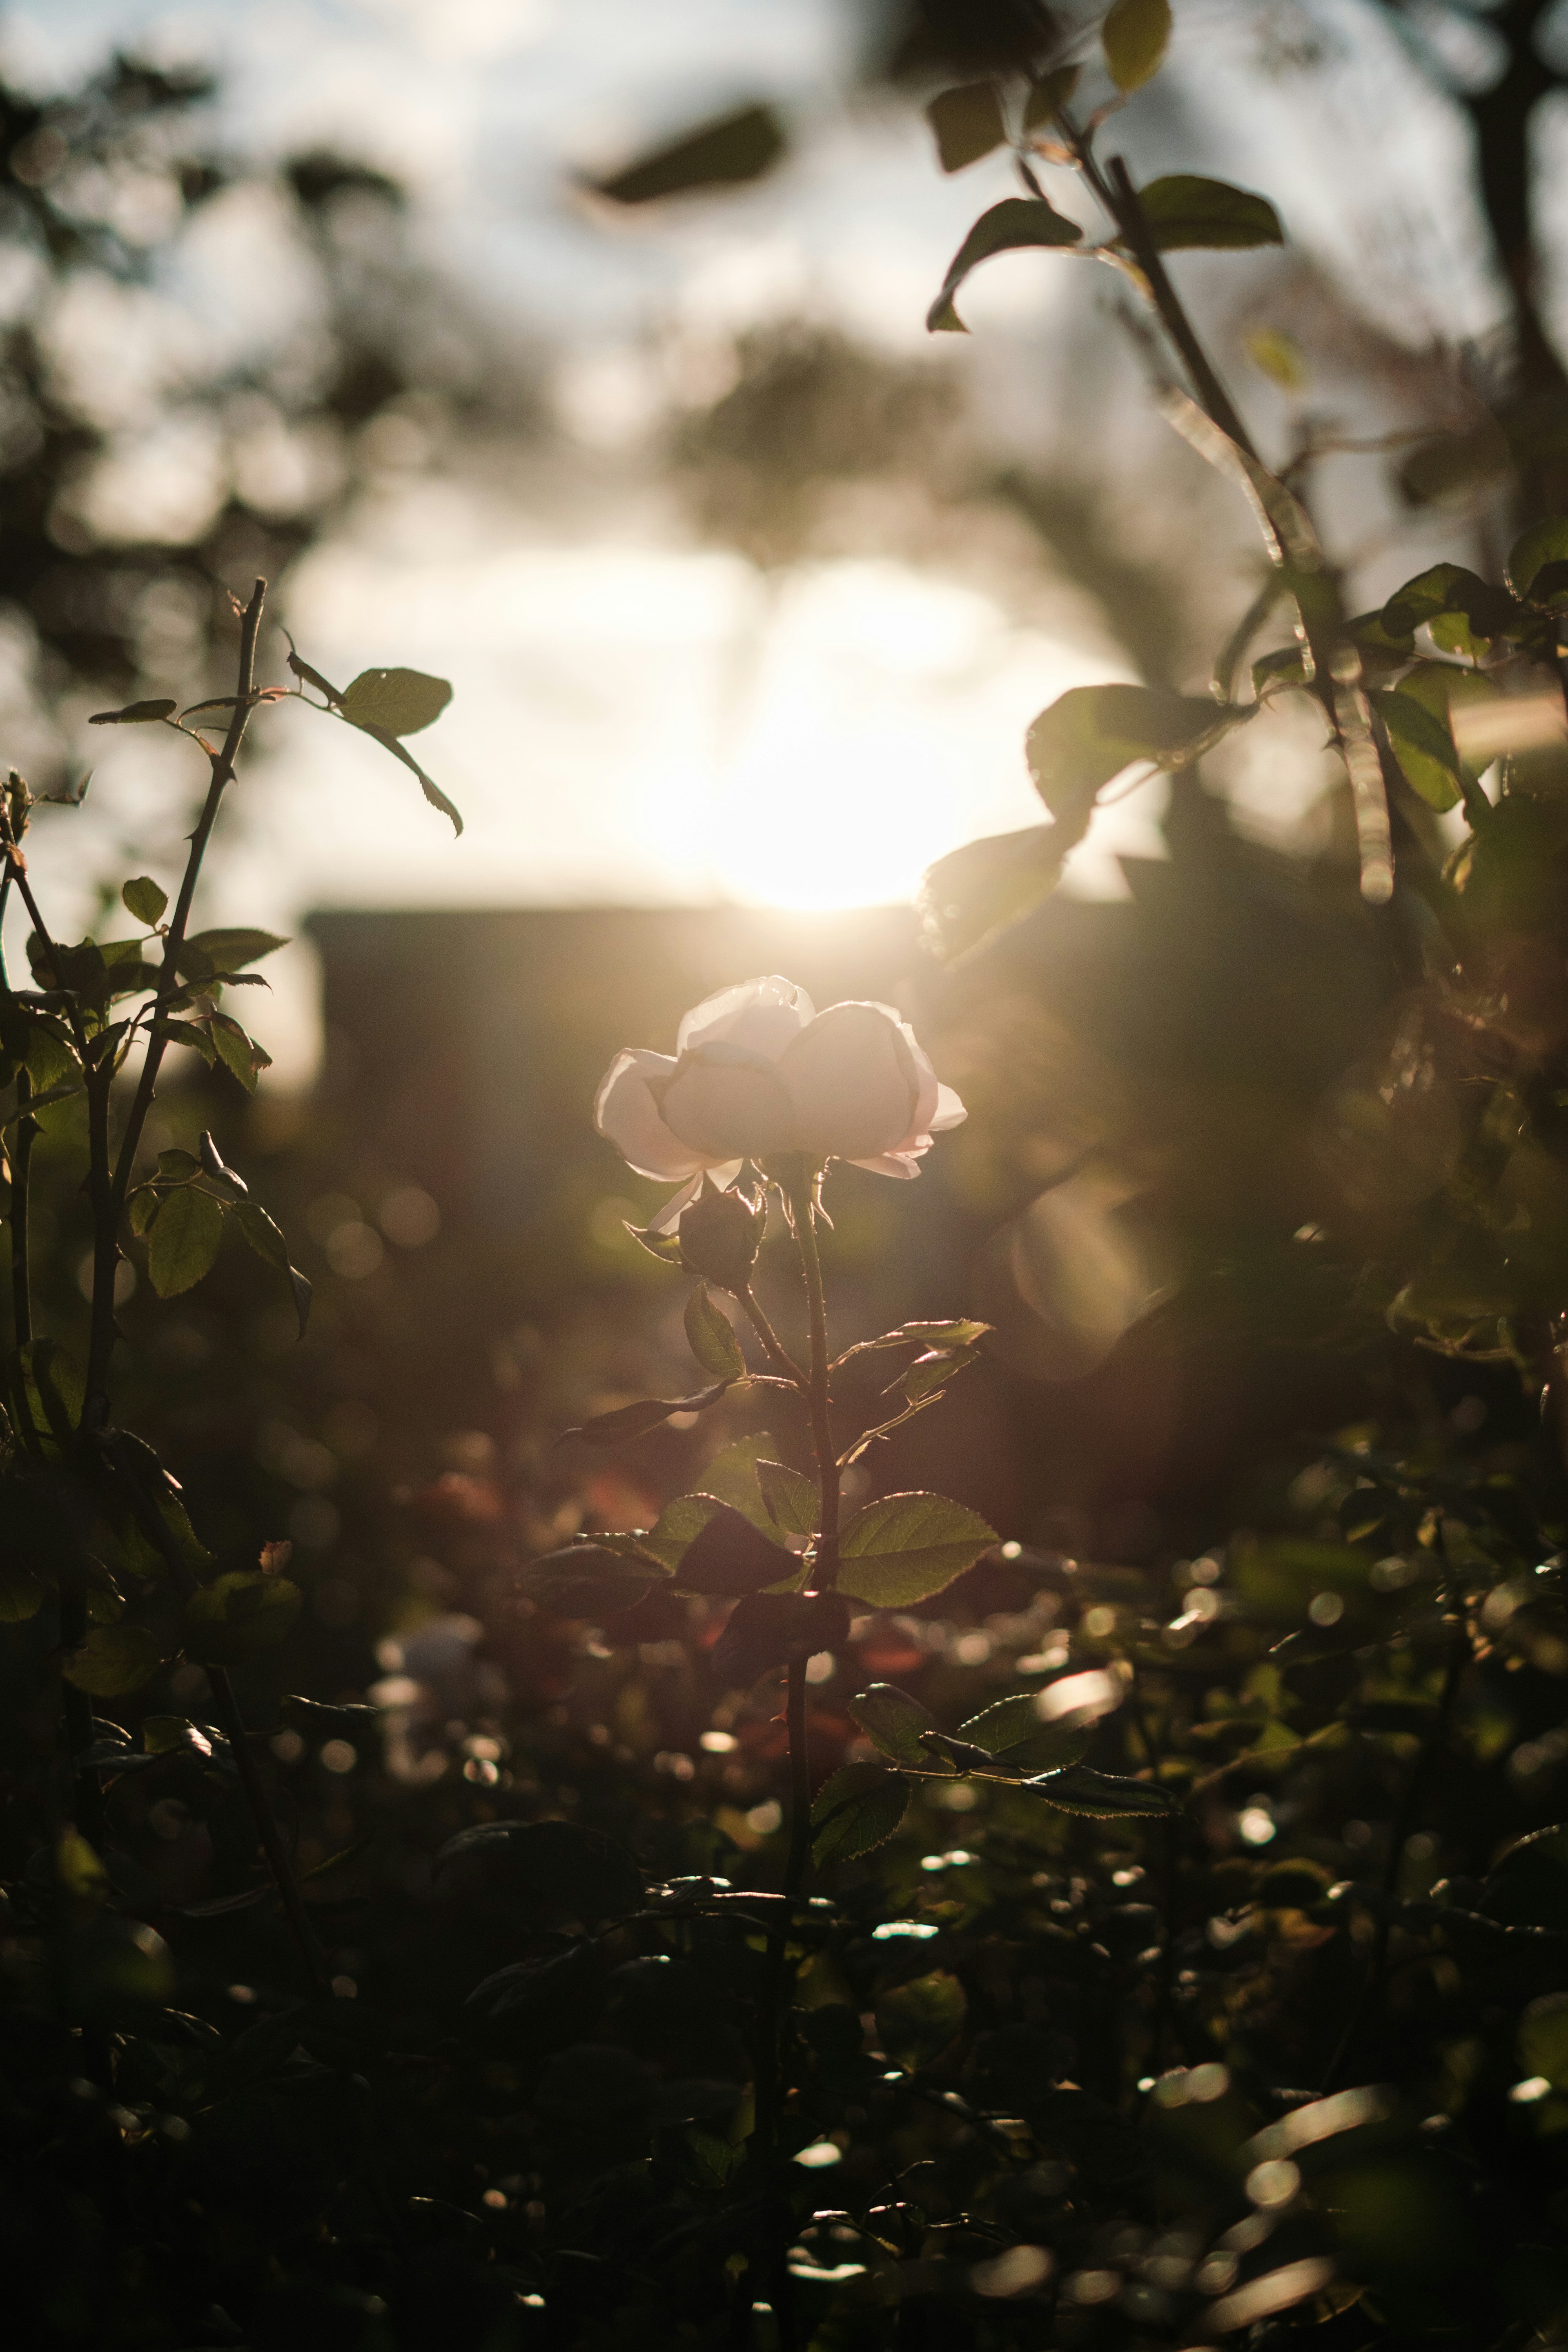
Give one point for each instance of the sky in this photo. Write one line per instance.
(597, 742)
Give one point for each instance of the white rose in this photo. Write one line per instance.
(758, 1072)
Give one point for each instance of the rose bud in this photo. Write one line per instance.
(719, 1238)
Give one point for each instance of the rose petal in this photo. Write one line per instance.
(950, 1111)
(726, 1103)
(893, 1163)
(626, 1110)
(764, 1015)
(853, 1083)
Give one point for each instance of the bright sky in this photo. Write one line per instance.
(598, 743)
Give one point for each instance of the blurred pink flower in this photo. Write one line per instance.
(758, 1072)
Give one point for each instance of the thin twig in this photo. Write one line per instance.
(1121, 198)
(223, 764)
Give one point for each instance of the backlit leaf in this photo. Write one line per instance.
(1013, 1729)
(1089, 735)
(186, 1235)
(1538, 564)
(728, 1555)
(629, 1421)
(1134, 35)
(976, 893)
(710, 1335)
(1185, 211)
(1102, 1796)
(143, 898)
(857, 1810)
(1013, 225)
(791, 1498)
(916, 2021)
(589, 1581)
(967, 123)
(906, 1546)
(114, 1659)
(394, 701)
(266, 1238)
(893, 1721)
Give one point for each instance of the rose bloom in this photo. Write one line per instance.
(759, 1072)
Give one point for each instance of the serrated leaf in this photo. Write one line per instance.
(136, 714)
(427, 784)
(967, 123)
(1423, 745)
(267, 1239)
(240, 1054)
(928, 1375)
(188, 1032)
(239, 1616)
(893, 1721)
(145, 898)
(710, 1335)
(394, 701)
(1013, 1731)
(725, 152)
(775, 1629)
(905, 1548)
(1185, 212)
(1135, 35)
(1463, 611)
(1015, 225)
(791, 1499)
(177, 1167)
(186, 1235)
(589, 1581)
(114, 1659)
(1102, 1796)
(629, 1421)
(857, 1810)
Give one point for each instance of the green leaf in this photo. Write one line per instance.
(1543, 2039)
(1012, 1729)
(1423, 745)
(729, 1556)
(188, 1032)
(114, 1659)
(929, 1376)
(731, 1476)
(1463, 611)
(394, 701)
(968, 123)
(21, 1592)
(186, 1234)
(1538, 564)
(209, 955)
(136, 714)
(239, 1616)
(857, 1810)
(1050, 94)
(1185, 212)
(773, 1628)
(710, 1335)
(266, 1238)
(427, 784)
(906, 1546)
(143, 898)
(1091, 734)
(589, 1581)
(177, 1167)
(974, 894)
(1017, 222)
(1102, 1796)
(1287, 666)
(240, 1054)
(629, 1421)
(1135, 35)
(893, 1721)
(916, 2022)
(726, 152)
(48, 1060)
(791, 1499)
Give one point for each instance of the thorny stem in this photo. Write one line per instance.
(800, 1187)
(1371, 2000)
(777, 1354)
(1121, 199)
(21, 1158)
(126, 1477)
(95, 1410)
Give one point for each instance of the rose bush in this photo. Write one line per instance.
(757, 1073)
